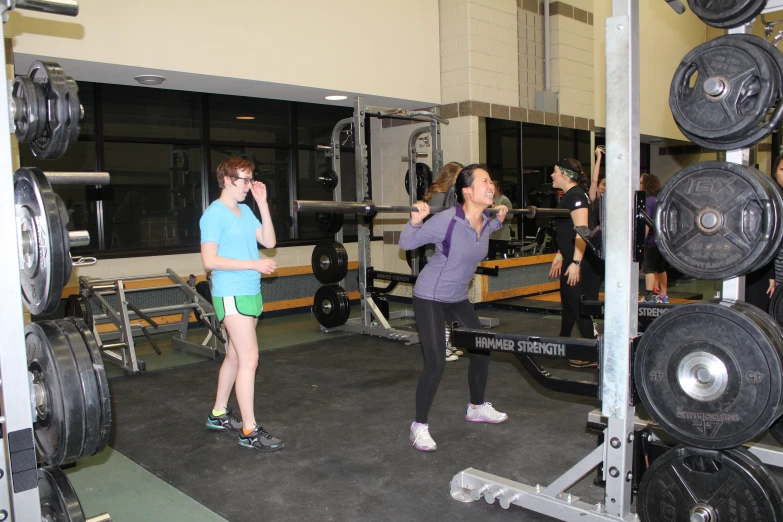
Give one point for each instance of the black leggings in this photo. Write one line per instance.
(430, 318)
(570, 297)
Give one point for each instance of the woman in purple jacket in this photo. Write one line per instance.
(461, 238)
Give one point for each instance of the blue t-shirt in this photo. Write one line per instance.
(236, 239)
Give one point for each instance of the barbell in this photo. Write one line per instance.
(369, 208)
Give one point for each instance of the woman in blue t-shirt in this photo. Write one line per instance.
(230, 234)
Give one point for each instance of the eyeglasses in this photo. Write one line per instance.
(247, 181)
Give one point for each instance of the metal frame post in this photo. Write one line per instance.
(362, 193)
(621, 319)
(734, 288)
(413, 158)
(622, 287)
(337, 193)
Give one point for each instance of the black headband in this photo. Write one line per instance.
(565, 167)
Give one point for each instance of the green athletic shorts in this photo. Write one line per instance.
(249, 305)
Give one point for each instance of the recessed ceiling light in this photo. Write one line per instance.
(246, 117)
(336, 97)
(149, 79)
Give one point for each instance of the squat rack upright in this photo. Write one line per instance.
(371, 321)
(19, 496)
(621, 314)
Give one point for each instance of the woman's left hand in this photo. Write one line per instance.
(772, 286)
(502, 212)
(572, 274)
(259, 192)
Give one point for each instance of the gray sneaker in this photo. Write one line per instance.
(225, 422)
(261, 440)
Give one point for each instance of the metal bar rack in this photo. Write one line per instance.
(371, 321)
(122, 351)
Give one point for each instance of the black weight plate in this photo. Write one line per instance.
(79, 307)
(776, 430)
(331, 306)
(750, 89)
(328, 179)
(59, 502)
(727, 485)
(74, 112)
(716, 220)
(59, 427)
(64, 219)
(423, 180)
(776, 305)
(419, 252)
(329, 262)
(55, 138)
(710, 374)
(91, 395)
(103, 383)
(328, 222)
(204, 290)
(39, 229)
(768, 125)
(726, 14)
(773, 212)
(31, 117)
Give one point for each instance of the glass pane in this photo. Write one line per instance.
(575, 143)
(156, 196)
(81, 212)
(317, 121)
(249, 120)
(142, 112)
(311, 164)
(272, 166)
(502, 145)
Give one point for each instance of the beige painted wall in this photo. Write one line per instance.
(363, 46)
(665, 37)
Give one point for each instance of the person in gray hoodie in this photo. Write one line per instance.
(461, 238)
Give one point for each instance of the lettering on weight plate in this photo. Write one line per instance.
(711, 417)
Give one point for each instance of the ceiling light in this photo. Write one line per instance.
(246, 117)
(336, 97)
(149, 79)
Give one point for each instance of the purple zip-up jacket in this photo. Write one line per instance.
(450, 269)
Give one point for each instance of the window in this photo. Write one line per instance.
(522, 156)
(161, 148)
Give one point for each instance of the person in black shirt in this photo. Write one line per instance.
(572, 264)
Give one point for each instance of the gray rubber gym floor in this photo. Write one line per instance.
(344, 406)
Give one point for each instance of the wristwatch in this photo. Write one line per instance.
(577, 262)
